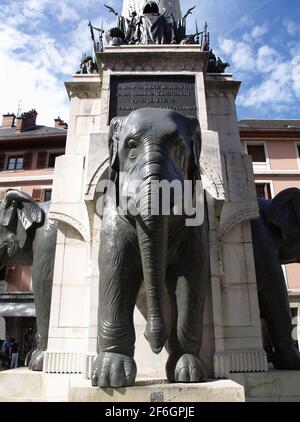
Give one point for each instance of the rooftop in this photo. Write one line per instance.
(36, 131)
(269, 124)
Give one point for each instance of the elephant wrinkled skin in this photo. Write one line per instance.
(148, 145)
(28, 237)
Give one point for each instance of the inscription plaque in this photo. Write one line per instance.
(134, 92)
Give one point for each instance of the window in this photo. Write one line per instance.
(15, 162)
(263, 190)
(257, 153)
(41, 195)
(47, 195)
(52, 158)
(295, 319)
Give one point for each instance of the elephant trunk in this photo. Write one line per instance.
(152, 231)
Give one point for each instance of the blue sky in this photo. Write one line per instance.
(41, 43)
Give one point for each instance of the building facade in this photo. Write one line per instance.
(275, 149)
(27, 158)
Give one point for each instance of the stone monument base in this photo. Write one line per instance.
(22, 385)
(272, 386)
(161, 391)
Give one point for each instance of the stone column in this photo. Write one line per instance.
(70, 336)
(237, 329)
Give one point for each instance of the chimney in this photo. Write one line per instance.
(8, 120)
(26, 121)
(60, 124)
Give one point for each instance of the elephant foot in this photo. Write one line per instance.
(286, 358)
(113, 370)
(36, 361)
(156, 335)
(186, 369)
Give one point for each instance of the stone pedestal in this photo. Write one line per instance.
(273, 386)
(232, 335)
(21, 385)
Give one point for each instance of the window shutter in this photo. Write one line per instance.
(27, 161)
(37, 195)
(2, 161)
(42, 160)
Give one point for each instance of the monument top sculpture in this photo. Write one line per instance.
(152, 22)
(171, 6)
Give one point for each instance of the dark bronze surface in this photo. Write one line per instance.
(168, 92)
(276, 242)
(28, 237)
(161, 250)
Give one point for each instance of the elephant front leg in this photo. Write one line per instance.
(187, 288)
(273, 299)
(120, 279)
(184, 364)
(42, 288)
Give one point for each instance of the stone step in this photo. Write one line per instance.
(214, 391)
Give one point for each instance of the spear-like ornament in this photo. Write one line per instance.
(112, 10)
(189, 12)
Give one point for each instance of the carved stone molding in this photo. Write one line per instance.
(84, 89)
(92, 184)
(64, 363)
(216, 187)
(239, 361)
(171, 59)
(73, 223)
(217, 87)
(234, 220)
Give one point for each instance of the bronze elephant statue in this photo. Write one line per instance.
(276, 241)
(28, 237)
(161, 250)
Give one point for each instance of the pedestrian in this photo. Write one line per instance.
(6, 346)
(14, 354)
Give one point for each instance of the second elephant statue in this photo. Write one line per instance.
(28, 237)
(276, 241)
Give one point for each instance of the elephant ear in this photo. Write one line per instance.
(21, 213)
(116, 126)
(284, 213)
(30, 214)
(196, 148)
(113, 142)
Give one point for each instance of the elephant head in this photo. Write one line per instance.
(153, 145)
(18, 215)
(283, 217)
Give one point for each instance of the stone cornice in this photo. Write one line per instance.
(221, 84)
(84, 89)
(153, 58)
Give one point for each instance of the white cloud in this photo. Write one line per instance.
(33, 61)
(267, 59)
(272, 77)
(296, 75)
(241, 54)
(292, 27)
(259, 31)
(36, 87)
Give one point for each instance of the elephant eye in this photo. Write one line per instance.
(132, 144)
